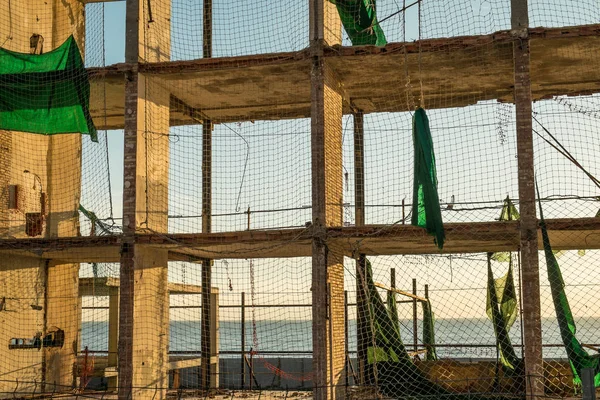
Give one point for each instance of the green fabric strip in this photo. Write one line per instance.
(359, 18)
(426, 211)
(428, 331)
(501, 305)
(578, 357)
(501, 309)
(45, 93)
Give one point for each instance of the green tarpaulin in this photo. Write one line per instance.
(46, 93)
(359, 18)
(578, 357)
(426, 211)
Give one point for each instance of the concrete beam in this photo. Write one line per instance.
(368, 74)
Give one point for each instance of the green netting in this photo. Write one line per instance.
(501, 305)
(45, 93)
(359, 18)
(578, 357)
(501, 309)
(391, 367)
(428, 331)
(426, 211)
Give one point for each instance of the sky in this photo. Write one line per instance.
(266, 165)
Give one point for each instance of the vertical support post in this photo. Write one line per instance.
(362, 322)
(347, 355)
(359, 168)
(393, 278)
(126, 274)
(327, 193)
(427, 345)
(243, 342)
(214, 338)
(144, 298)
(113, 334)
(207, 128)
(415, 325)
(205, 338)
(532, 351)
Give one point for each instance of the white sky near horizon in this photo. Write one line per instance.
(472, 165)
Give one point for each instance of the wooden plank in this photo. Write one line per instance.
(401, 292)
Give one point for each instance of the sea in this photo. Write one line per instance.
(463, 339)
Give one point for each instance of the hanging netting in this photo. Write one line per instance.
(501, 306)
(579, 359)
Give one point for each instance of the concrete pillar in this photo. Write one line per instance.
(530, 282)
(327, 192)
(144, 297)
(51, 188)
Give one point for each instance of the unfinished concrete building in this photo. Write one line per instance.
(223, 208)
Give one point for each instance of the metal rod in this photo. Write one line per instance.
(258, 305)
(361, 262)
(359, 168)
(403, 213)
(362, 321)
(346, 359)
(243, 339)
(330, 325)
(415, 333)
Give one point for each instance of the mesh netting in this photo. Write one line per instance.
(243, 223)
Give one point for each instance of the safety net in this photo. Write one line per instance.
(45, 93)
